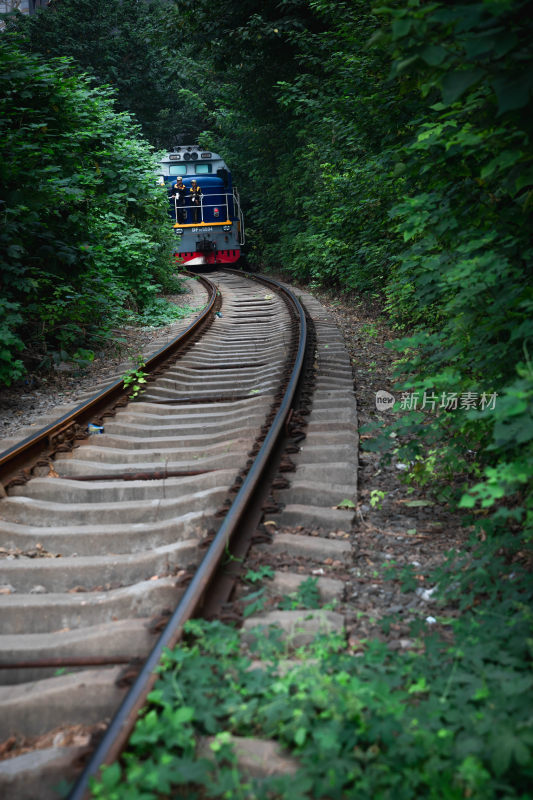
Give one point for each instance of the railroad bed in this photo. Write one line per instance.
(102, 559)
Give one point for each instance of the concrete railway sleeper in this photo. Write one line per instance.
(97, 565)
(129, 541)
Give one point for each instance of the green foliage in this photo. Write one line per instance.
(135, 378)
(316, 169)
(404, 574)
(254, 576)
(159, 312)
(254, 602)
(307, 595)
(347, 503)
(398, 159)
(466, 225)
(11, 367)
(376, 498)
(85, 228)
(136, 47)
(393, 159)
(449, 722)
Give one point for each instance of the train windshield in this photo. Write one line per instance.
(202, 169)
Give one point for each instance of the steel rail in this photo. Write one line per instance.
(120, 727)
(40, 443)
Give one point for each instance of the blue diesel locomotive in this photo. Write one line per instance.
(206, 213)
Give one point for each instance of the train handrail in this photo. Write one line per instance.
(225, 204)
(230, 218)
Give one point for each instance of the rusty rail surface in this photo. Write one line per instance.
(121, 726)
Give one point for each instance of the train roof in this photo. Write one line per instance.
(176, 161)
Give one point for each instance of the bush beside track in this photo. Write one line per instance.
(85, 229)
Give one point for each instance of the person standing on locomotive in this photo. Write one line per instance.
(195, 194)
(178, 193)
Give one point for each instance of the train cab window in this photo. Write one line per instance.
(181, 170)
(202, 169)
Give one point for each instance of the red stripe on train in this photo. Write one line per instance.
(218, 257)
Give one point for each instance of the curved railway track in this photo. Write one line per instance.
(105, 542)
(106, 545)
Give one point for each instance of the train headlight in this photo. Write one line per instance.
(226, 227)
(179, 231)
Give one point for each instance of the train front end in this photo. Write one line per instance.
(209, 224)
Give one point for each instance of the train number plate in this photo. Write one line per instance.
(201, 230)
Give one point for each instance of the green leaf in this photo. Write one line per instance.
(506, 747)
(183, 714)
(433, 54)
(524, 179)
(300, 736)
(502, 162)
(467, 501)
(111, 776)
(456, 83)
(401, 65)
(511, 94)
(420, 687)
(346, 504)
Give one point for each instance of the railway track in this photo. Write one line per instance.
(105, 544)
